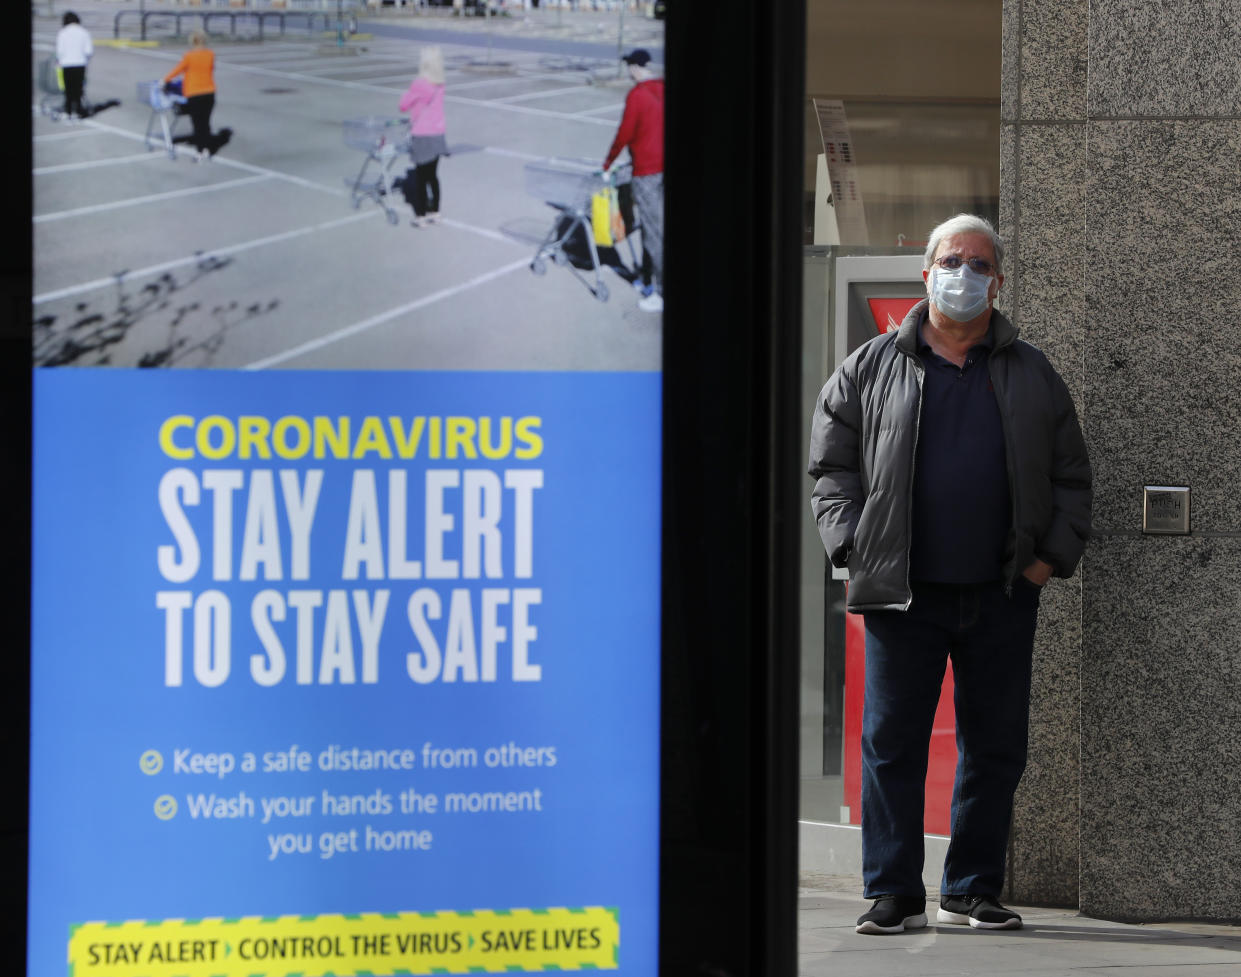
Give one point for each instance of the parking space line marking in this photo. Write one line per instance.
(51, 137)
(615, 107)
(286, 56)
(92, 163)
(481, 231)
(309, 62)
(302, 76)
(271, 47)
(513, 153)
(483, 82)
(259, 242)
(136, 201)
(378, 320)
(237, 164)
(400, 79)
(273, 57)
(389, 90)
(266, 56)
(548, 94)
(526, 110)
(277, 175)
(353, 68)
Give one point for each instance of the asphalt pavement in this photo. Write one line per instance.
(266, 257)
(586, 34)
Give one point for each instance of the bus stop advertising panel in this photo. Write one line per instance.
(345, 628)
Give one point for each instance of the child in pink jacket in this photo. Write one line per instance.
(425, 104)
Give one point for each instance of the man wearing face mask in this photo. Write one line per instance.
(951, 479)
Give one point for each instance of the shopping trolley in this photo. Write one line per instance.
(567, 185)
(383, 139)
(51, 84)
(166, 109)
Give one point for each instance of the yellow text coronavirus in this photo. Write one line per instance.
(250, 436)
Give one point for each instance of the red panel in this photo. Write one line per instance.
(942, 768)
(855, 678)
(942, 764)
(888, 313)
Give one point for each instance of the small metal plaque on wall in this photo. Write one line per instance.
(1165, 509)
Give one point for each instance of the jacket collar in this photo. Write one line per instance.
(1003, 331)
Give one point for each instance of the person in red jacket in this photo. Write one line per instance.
(642, 131)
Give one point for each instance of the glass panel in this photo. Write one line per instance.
(875, 284)
(916, 163)
(902, 130)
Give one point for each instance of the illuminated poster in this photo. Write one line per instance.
(345, 633)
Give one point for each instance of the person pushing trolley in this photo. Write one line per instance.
(642, 132)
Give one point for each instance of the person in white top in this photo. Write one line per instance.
(73, 50)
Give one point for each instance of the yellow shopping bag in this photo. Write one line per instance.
(605, 217)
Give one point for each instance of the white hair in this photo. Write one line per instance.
(964, 224)
(431, 64)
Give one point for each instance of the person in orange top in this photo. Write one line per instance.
(198, 67)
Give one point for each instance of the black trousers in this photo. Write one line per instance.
(426, 188)
(198, 108)
(75, 82)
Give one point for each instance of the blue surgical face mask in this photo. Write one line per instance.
(960, 294)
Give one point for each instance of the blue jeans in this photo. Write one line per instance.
(990, 638)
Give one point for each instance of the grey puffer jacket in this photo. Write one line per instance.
(862, 447)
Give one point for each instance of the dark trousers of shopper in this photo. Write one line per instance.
(75, 83)
(198, 108)
(426, 188)
(989, 638)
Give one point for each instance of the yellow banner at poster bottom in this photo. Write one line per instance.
(334, 945)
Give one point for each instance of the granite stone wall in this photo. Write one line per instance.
(1121, 202)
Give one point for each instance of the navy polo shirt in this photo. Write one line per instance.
(961, 505)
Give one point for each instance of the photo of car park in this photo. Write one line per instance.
(292, 245)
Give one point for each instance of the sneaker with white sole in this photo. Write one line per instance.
(893, 914)
(980, 912)
(652, 303)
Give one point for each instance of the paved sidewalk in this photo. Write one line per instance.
(1053, 943)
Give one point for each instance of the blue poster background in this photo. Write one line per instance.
(100, 701)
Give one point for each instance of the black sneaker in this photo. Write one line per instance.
(893, 914)
(980, 912)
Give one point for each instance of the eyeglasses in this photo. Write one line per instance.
(952, 262)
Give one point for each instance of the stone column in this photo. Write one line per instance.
(1121, 197)
(1042, 198)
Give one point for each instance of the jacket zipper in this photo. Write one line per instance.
(1001, 395)
(919, 372)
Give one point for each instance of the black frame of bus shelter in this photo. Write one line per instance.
(733, 494)
(735, 491)
(16, 283)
